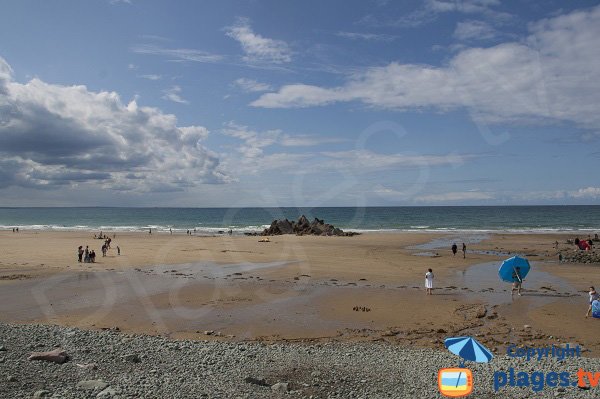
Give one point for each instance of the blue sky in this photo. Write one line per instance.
(312, 103)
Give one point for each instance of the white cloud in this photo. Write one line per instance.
(251, 155)
(256, 47)
(550, 75)
(151, 77)
(365, 160)
(180, 54)
(54, 136)
(367, 36)
(251, 85)
(455, 196)
(431, 9)
(307, 140)
(588, 192)
(173, 94)
(474, 30)
(463, 6)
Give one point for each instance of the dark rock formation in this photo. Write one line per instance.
(572, 256)
(303, 227)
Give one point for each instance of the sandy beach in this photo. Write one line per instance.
(367, 287)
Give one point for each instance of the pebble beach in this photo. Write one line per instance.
(112, 364)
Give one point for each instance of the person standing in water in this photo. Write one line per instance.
(517, 282)
(429, 282)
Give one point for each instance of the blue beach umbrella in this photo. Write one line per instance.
(469, 349)
(509, 267)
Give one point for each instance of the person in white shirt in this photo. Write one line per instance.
(593, 297)
(429, 282)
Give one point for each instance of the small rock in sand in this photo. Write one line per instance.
(92, 385)
(107, 393)
(58, 356)
(87, 366)
(132, 357)
(280, 387)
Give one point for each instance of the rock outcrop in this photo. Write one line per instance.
(303, 227)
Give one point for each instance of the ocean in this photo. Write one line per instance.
(534, 219)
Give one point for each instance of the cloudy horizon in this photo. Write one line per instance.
(441, 102)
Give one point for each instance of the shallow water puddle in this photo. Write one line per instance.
(539, 288)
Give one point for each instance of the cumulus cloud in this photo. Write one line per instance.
(256, 47)
(551, 75)
(53, 135)
(251, 85)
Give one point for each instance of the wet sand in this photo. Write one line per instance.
(367, 287)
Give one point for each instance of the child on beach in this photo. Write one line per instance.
(594, 296)
(429, 281)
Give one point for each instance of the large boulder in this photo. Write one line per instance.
(304, 227)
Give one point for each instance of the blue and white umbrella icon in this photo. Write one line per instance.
(468, 349)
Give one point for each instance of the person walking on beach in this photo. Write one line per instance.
(118, 250)
(464, 250)
(86, 258)
(594, 296)
(80, 253)
(517, 282)
(454, 249)
(429, 282)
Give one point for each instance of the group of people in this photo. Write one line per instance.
(15, 229)
(455, 250)
(86, 256)
(89, 255)
(516, 286)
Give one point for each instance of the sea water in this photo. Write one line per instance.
(534, 219)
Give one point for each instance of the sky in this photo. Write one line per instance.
(299, 103)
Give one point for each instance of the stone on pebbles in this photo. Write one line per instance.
(92, 385)
(280, 387)
(132, 357)
(42, 394)
(58, 356)
(109, 392)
